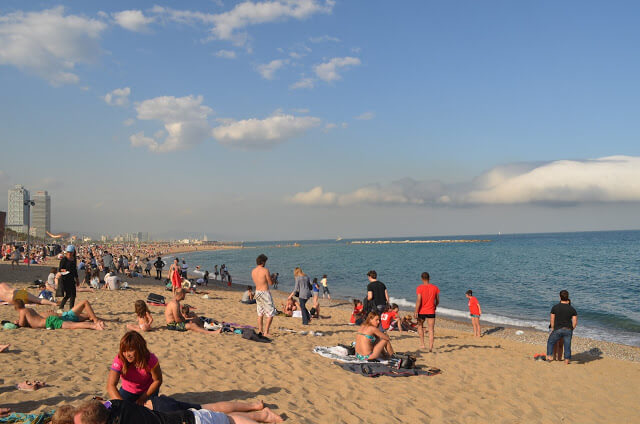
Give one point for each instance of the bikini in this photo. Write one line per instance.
(372, 339)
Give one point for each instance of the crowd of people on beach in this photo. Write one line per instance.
(138, 371)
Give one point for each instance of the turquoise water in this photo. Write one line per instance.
(516, 278)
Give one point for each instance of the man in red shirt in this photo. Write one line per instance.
(426, 304)
(475, 312)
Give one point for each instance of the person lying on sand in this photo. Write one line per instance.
(30, 318)
(9, 294)
(122, 412)
(176, 321)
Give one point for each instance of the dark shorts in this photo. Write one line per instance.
(167, 404)
(474, 316)
(422, 317)
(177, 326)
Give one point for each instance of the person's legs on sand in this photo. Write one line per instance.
(420, 328)
(85, 306)
(267, 326)
(86, 325)
(432, 324)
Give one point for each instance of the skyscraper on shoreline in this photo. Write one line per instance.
(18, 213)
(41, 214)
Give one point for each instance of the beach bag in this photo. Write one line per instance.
(155, 298)
(400, 360)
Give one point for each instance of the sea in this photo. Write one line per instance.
(516, 277)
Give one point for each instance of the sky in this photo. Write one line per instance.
(304, 119)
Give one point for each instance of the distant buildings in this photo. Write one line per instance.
(41, 214)
(18, 211)
(127, 237)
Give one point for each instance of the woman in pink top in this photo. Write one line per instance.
(138, 369)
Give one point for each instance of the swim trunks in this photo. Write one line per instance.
(475, 316)
(177, 326)
(21, 295)
(264, 303)
(204, 416)
(425, 316)
(53, 322)
(69, 316)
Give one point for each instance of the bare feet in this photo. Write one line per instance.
(98, 325)
(4, 412)
(256, 406)
(270, 416)
(4, 347)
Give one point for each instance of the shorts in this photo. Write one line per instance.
(204, 416)
(53, 322)
(69, 316)
(168, 404)
(21, 295)
(325, 290)
(264, 303)
(474, 316)
(422, 317)
(177, 326)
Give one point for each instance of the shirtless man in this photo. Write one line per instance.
(176, 321)
(264, 301)
(8, 294)
(30, 318)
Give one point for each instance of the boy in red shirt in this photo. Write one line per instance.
(426, 304)
(475, 312)
(389, 319)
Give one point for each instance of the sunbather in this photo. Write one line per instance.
(371, 343)
(9, 294)
(176, 321)
(29, 318)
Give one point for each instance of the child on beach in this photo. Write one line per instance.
(144, 317)
(390, 320)
(475, 312)
(357, 311)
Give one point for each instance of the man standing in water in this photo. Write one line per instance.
(426, 304)
(264, 301)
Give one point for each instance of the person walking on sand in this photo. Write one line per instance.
(563, 321)
(69, 276)
(426, 304)
(264, 302)
(325, 288)
(475, 311)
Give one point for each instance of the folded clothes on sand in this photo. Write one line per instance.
(338, 353)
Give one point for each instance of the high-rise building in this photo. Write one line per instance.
(41, 214)
(18, 213)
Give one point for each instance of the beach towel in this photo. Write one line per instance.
(17, 417)
(336, 353)
(376, 369)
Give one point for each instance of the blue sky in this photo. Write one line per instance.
(314, 118)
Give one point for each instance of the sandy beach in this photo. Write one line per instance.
(488, 379)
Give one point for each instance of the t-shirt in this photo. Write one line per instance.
(245, 296)
(125, 412)
(474, 306)
(357, 310)
(112, 281)
(428, 293)
(324, 282)
(136, 380)
(387, 317)
(378, 288)
(563, 313)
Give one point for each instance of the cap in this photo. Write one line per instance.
(71, 248)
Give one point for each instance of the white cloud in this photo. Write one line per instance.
(263, 133)
(367, 116)
(323, 39)
(48, 43)
(558, 183)
(226, 54)
(184, 119)
(133, 20)
(229, 25)
(268, 70)
(128, 122)
(118, 97)
(328, 71)
(302, 84)
(314, 197)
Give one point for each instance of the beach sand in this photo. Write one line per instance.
(490, 379)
